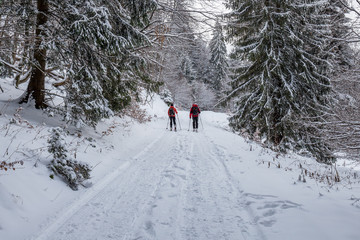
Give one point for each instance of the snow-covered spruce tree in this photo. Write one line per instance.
(218, 61)
(187, 69)
(340, 33)
(73, 172)
(108, 61)
(283, 87)
(85, 103)
(94, 42)
(200, 55)
(165, 95)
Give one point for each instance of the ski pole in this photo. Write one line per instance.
(178, 120)
(201, 122)
(189, 124)
(167, 123)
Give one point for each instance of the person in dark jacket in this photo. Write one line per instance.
(194, 113)
(171, 112)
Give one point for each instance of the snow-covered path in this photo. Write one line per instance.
(178, 187)
(150, 183)
(210, 185)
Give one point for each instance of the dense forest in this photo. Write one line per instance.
(287, 71)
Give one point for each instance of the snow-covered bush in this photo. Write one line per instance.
(72, 171)
(166, 96)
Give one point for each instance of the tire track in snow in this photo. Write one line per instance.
(63, 228)
(217, 207)
(209, 210)
(196, 198)
(250, 228)
(162, 218)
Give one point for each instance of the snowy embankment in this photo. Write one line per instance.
(150, 183)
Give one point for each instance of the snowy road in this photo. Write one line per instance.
(210, 185)
(150, 183)
(178, 187)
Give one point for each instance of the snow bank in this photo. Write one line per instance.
(284, 197)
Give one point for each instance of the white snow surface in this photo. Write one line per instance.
(151, 183)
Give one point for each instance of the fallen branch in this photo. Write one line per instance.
(58, 84)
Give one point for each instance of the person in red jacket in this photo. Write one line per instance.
(171, 112)
(194, 113)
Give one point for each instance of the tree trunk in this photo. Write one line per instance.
(36, 87)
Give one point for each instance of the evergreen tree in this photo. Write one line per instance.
(200, 55)
(218, 58)
(282, 88)
(340, 31)
(187, 69)
(94, 46)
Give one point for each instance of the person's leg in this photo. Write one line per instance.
(170, 123)
(174, 120)
(196, 122)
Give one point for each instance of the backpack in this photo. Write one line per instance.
(171, 112)
(195, 111)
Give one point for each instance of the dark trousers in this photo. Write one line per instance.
(195, 122)
(172, 119)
